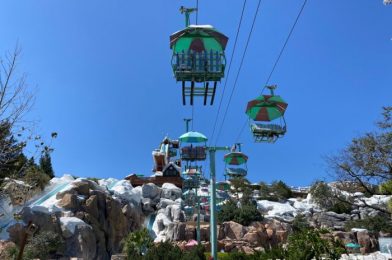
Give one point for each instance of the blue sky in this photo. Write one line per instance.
(104, 82)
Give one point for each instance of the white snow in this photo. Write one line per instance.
(107, 183)
(376, 199)
(161, 235)
(169, 186)
(124, 190)
(70, 223)
(276, 209)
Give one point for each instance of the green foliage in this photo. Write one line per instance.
(168, 251)
(241, 185)
(43, 245)
(324, 196)
(281, 190)
(12, 252)
(137, 244)
(277, 191)
(308, 245)
(45, 163)
(386, 188)
(367, 160)
(11, 151)
(374, 224)
(300, 223)
(244, 214)
(34, 176)
(164, 251)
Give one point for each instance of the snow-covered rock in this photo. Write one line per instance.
(68, 225)
(277, 210)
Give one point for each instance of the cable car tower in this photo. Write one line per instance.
(198, 58)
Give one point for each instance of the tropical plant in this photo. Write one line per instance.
(308, 244)
(137, 243)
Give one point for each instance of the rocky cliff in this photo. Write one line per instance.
(93, 218)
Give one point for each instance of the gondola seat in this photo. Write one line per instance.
(240, 172)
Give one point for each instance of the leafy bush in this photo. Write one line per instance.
(300, 223)
(164, 251)
(137, 243)
(43, 245)
(308, 245)
(324, 196)
(36, 177)
(244, 215)
(386, 188)
(168, 251)
(374, 224)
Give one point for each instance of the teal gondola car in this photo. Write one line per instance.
(198, 57)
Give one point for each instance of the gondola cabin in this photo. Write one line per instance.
(235, 165)
(266, 115)
(198, 57)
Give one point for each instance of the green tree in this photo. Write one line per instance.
(241, 185)
(34, 176)
(367, 160)
(10, 151)
(45, 163)
(244, 214)
(281, 190)
(329, 199)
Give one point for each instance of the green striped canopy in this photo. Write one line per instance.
(235, 158)
(193, 137)
(198, 38)
(266, 108)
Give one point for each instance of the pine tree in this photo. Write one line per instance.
(45, 163)
(10, 151)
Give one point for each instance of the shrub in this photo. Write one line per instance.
(386, 188)
(300, 223)
(36, 177)
(137, 244)
(168, 251)
(308, 245)
(43, 245)
(373, 224)
(244, 215)
(164, 251)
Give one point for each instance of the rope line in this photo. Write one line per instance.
(228, 70)
(239, 70)
(278, 58)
